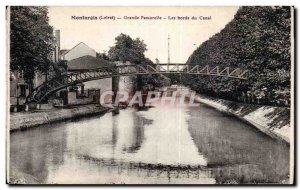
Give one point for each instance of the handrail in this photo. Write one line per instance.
(69, 79)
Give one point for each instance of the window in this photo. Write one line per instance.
(20, 74)
(22, 90)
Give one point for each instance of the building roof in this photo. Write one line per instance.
(67, 51)
(63, 51)
(87, 62)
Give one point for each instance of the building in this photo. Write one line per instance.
(54, 55)
(20, 89)
(77, 51)
(80, 59)
(87, 92)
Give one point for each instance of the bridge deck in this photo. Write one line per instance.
(42, 92)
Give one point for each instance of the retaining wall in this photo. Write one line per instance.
(273, 121)
(23, 120)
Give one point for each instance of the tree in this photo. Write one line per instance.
(132, 50)
(31, 39)
(257, 39)
(102, 56)
(128, 49)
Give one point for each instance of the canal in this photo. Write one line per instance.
(159, 145)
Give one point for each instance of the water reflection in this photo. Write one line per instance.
(33, 152)
(158, 145)
(238, 151)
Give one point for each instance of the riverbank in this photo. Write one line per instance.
(273, 121)
(18, 178)
(23, 120)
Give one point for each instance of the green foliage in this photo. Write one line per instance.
(257, 39)
(31, 39)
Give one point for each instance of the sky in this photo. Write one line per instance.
(185, 35)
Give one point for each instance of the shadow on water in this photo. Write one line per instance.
(127, 146)
(226, 142)
(141, 169)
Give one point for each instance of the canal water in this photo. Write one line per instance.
(159, 145)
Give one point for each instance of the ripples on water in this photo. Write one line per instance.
(160, 145)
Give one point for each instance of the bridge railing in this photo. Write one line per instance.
(40, 93)
(182, 68)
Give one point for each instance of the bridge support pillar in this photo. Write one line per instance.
(115, 88)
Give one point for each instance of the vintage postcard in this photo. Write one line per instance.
(150, 95)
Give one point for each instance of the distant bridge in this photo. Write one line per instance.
(43, 91)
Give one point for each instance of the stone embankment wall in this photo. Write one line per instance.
(273, 121)
(22, 120)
